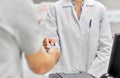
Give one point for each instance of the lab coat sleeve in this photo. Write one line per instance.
(100, 64)
(51, 27)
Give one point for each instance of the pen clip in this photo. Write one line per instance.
(90, 23)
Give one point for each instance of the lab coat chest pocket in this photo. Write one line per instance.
(92, 20)
(93, 30)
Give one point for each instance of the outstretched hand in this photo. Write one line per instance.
(48, 41)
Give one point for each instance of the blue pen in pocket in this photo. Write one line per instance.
(90, 23)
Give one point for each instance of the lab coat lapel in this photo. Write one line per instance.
(68, 4)
(86, 8)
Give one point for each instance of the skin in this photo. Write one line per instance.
(42, 62)
(78, 4)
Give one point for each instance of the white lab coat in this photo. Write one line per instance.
(85, 44)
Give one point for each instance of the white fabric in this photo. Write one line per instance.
(19, 32)
(84, 47)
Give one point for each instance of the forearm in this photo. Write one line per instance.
(50, 60)
(41, 62)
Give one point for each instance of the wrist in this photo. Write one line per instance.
(55, 54)
(92, 76)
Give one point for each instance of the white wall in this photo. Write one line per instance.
(113, 5)
(38, 1)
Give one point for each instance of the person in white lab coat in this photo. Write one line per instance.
(20, 33)
(83, 35)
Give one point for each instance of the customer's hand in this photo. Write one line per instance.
(54, 52)
(92, 76)
(48, 41)
(51, 50)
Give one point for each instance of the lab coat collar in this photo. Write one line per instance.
(68, 3)
(89, 2)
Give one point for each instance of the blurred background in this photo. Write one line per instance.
(113, 8)
(113, 12)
